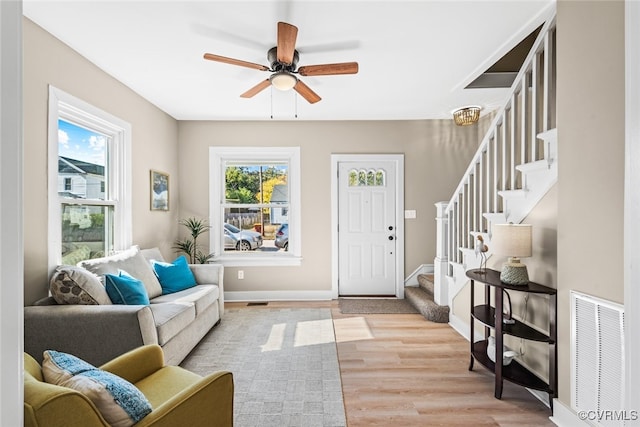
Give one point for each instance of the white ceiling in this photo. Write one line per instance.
(415, 57)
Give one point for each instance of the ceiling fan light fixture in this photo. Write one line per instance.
(283, 80)
(467, 115)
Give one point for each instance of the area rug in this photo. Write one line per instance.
(375, 306)
(284, 364)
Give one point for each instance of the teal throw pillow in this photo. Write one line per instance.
(125, 289)
(174, 277)
(121, 403)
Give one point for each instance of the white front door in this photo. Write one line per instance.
(367, 228)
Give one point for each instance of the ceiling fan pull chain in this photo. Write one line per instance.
(271, 93)
(296, 103)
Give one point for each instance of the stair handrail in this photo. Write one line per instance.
(454, 222)
(527, 63)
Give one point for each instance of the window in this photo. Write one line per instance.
(370, 178)
(89, 181)
(255, 194)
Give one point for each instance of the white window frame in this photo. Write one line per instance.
(67, 107)
(217, 158)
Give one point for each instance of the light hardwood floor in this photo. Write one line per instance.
(402, 370)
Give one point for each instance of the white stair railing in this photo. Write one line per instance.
(510, 171)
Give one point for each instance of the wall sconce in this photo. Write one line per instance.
(467, 115)
(514, 241)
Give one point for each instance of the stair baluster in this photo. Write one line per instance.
(503, 181)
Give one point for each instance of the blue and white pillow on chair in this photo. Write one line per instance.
(120, 402)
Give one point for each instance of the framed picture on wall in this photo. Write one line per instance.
(159, 191)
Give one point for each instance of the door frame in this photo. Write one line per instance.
(398, 159)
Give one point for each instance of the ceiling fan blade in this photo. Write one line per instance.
(256, 89)
(329, 69)
(224, 59)
(306, 92)
(287, 35)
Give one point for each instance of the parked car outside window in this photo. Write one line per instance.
(282, 237)
(241, 240)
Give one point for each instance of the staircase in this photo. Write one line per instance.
(514, 167)
(421, 297)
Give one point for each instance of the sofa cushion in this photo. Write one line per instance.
(125, 289)
(200, 295)
(175, 276)
(172, 318)
(131, 261)
(75, 285)
(152, 254)
(120, 402)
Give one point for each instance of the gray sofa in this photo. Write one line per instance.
(101, 331)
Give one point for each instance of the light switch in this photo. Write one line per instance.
(410, 214)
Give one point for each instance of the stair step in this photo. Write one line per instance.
(423, 302)
(537, 166)
(495, 217)
(513, 194)
(425, 281)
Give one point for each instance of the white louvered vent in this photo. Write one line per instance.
(597, 351)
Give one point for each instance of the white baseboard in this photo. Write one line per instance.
(259, 296)
(565, 417)
(412, 279)
(459, 325)
(541, 396)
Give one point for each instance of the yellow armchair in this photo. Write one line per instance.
(178, 397)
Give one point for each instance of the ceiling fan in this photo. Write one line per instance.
(284, 60)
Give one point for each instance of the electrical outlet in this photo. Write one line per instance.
(240, 274)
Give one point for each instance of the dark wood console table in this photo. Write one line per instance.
(486, 314)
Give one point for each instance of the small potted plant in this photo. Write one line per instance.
(189, 245)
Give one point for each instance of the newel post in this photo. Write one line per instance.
(441, 261)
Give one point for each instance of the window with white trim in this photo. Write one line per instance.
(89, 181)
(255, 205)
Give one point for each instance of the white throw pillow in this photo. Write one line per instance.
(120, 402)
(133, 262)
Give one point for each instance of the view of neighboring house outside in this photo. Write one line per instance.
(80, 179)
(280, 195)
(82, 188)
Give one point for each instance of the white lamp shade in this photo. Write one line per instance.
(512, 240)
(283, 80)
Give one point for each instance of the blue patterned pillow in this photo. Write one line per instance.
(174, 277)
(120, 402)
(125, 289)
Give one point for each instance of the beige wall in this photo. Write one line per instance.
(48, 61)
(590, 192)
(436, 154)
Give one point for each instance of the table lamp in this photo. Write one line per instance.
(514, 241)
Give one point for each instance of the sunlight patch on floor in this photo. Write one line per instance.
(314, 332)
(276, 338)
(352, 329)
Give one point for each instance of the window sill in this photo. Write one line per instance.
(258, 260)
